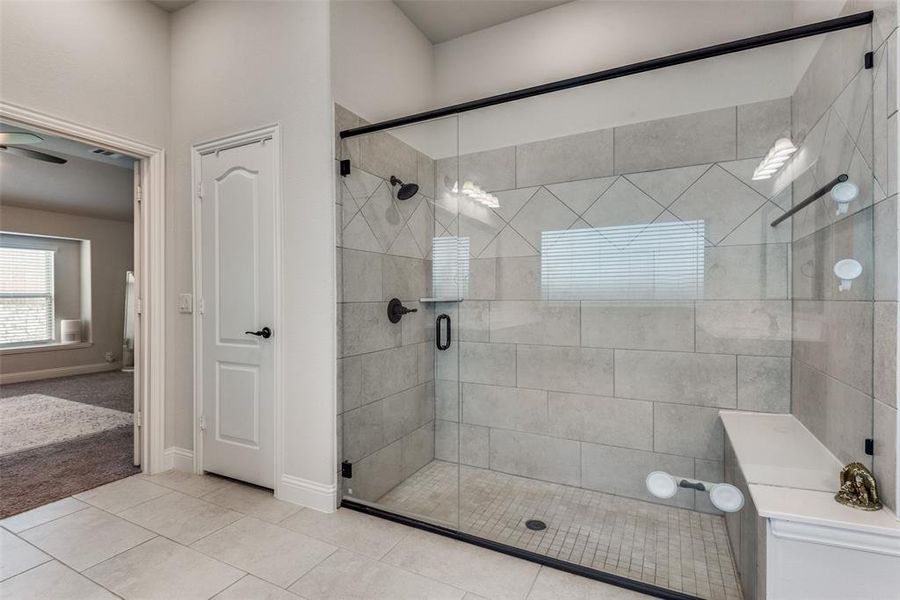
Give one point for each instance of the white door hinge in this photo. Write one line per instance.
(138, 193)
(138, 306)
(202, 306)
(202, 423)
(138, 419)
(200, 190)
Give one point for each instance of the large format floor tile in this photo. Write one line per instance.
(87, 537)
(490, 574)
(17, 555)
(348, 575)
(188, 483)
(255, 588)
(182, 518)
(252, 501)
(278, 555)
(370, 536)
(161, 569)
(308, 556)
(42, 514)
(52, 580)
(122, 494)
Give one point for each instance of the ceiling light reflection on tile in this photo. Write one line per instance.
(472, 191)
(774, 159)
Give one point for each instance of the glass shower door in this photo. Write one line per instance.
(399, 272)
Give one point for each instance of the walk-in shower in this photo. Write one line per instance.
(596, 273)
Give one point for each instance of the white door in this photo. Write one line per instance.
(237, 304)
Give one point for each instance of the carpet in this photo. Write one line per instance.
(46, 473)
(41, 475)
(113, 389)
(35, 420)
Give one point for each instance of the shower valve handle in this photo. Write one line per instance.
(396, 310)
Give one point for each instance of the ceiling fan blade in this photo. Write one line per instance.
(33, 154)
(18, 137)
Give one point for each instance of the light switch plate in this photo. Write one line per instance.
(185, 303)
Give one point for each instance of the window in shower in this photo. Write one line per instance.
(450, 267)
(647, 262)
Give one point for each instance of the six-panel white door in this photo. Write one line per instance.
(237, 246)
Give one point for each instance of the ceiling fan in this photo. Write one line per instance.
(10, 141)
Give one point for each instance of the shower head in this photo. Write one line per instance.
(406, 191)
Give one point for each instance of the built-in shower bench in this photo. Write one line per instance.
(792, 540)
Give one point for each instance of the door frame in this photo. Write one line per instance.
(270, 134)
(149, 267)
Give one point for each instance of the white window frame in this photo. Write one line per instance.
(28, 241)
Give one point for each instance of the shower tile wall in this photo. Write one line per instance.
(843, 379)
(598, 391)
(386, 373)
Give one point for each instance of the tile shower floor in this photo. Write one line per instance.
(670, 547)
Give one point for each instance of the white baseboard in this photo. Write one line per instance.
(307, 493)
(21, 376)
(178, 459)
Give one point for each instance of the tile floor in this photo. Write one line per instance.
(671, 547)
(178, 535)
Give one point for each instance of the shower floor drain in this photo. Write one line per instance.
(535, 525)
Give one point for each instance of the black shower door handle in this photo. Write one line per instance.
(437, 332)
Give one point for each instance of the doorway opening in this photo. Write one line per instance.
(67, 314)
(81, 328)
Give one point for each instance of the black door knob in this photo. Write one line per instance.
(396, 310)
(264, 333)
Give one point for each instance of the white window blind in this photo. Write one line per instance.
(26, 296)
(656, 261)
(450, 267)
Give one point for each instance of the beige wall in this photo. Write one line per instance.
(111, 256)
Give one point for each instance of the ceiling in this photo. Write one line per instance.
(171, 5)
(88, 184)
(448, 19)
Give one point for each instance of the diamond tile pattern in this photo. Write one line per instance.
(544, 212)
(719, 199)
(373, 220)
(666, 185)
(722, 195)
(622, 204)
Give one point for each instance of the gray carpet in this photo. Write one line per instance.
(36, 420)
(42, 475)
(90, 457)
(114, 389)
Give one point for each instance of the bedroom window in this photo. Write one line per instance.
(26, 296)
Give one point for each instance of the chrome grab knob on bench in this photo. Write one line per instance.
(264, 333)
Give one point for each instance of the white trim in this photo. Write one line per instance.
(307, 493)
(271, 133)
(151, 351)
(853, 539)
(179, 459)
(7, 378)
(45, 347)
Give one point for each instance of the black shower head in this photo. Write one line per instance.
(406, 191)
